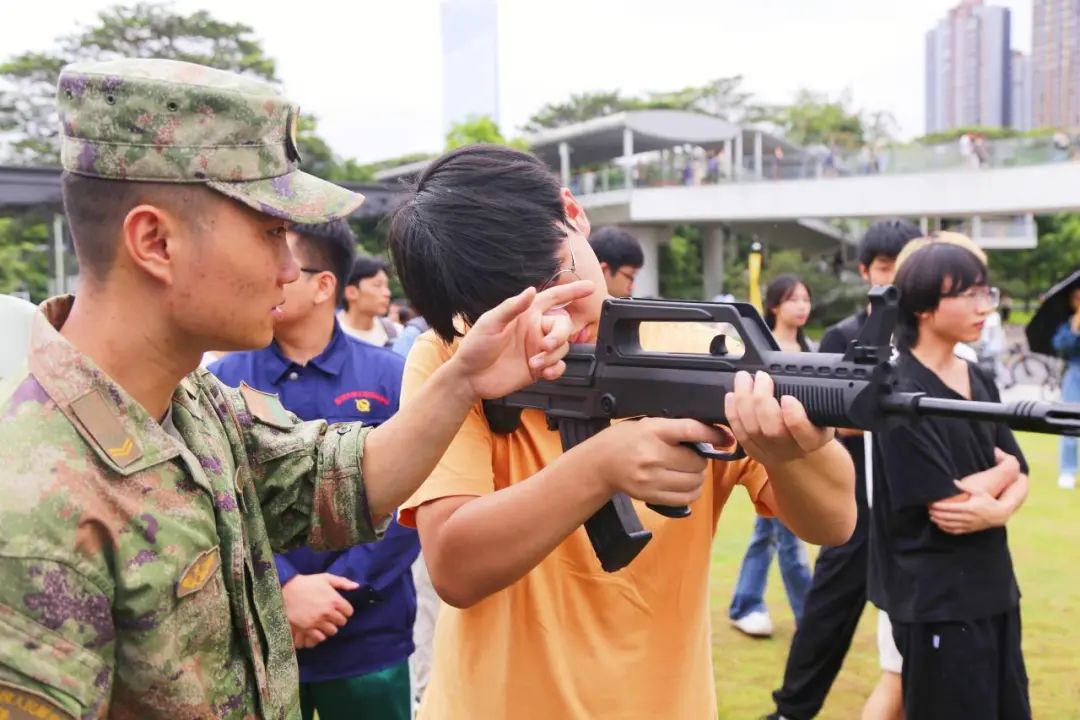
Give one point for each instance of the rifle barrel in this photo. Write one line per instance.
(1031, 415)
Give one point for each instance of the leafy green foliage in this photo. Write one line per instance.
(814, 118)
(722, 97)
(1028, 273)
(24, 256)
(480, 130)
(146, 29)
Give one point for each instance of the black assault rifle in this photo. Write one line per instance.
(618, 379)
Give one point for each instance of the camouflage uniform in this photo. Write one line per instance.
(136, 556)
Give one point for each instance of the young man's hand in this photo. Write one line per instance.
(646, 458)
(516, 343)
(773, 433)
(980, 504)
(980, 511)
(315, 608)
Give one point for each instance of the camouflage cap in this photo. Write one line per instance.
(171, 121)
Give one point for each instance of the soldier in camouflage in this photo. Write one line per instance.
(142, 500)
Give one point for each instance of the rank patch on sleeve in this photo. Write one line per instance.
(17, 703)
(99, 418)
(200, 570)
(266, 407)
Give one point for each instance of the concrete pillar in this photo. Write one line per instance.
(736, 157)
(758, 164)
(628, 156)
(713, 240)
(564, 163)
(728, 165)
(650, 237)
(924, 226)
(59, 275)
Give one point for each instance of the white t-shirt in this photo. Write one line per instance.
(16, 318)
(376, 335)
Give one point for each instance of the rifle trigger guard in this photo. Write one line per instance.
(706, 450)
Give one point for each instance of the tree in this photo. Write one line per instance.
(479, 130)
(148, 29)
(1028, 273)
(722, 98)
(579, 108)
(813, 118)
(24, 260)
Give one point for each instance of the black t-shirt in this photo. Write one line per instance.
(836, 340)
(919, 573)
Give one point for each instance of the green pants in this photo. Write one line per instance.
(382, 695)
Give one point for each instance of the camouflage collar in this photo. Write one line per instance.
(119, 429)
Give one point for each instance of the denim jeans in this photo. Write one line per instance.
(794, 569)
(1070, 392)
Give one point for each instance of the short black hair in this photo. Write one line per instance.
(617, 248)
(483, 223)
(96, 208)
(366, 266)
(886, 238)
(329, 246)
(937, 271)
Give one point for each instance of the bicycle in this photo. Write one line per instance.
(1020, 367)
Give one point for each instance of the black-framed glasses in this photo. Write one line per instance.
(632, 277)
(570, 274)
(313, 271)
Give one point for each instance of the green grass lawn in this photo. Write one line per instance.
(1045, 541)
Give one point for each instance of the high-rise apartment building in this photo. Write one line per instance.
(969, 68)
(1055, 64)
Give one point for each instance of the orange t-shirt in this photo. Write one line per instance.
(569, 640)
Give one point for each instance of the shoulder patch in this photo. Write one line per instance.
(18, 703)
(99, 418)
(265, 407)
(198, 572)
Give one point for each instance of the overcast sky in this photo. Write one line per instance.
(371, 70)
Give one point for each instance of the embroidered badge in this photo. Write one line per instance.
(200, 570)
(17, 703)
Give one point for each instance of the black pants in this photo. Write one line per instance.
(833, 607)
(960, 670)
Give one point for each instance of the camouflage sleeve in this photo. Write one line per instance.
(307, 475)
(56, 641)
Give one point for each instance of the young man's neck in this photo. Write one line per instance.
(359, 320)
(134, 350)
(307, 339)
(936, 353)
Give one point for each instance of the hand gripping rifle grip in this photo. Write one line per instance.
(615, 530)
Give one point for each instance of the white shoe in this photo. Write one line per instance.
(755, 624)
(1067, 482)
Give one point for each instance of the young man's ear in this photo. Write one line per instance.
(607, 269)
(864, 272)
(327, 288)
(352, 293)
(575, 214)
(146, 235)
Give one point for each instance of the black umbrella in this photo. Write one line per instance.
(1055, 309)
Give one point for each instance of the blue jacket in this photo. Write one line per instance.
(351, 380)
(1067, 344)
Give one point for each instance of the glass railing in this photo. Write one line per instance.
(698, 167)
